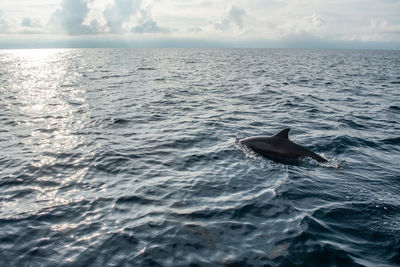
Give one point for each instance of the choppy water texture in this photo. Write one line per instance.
(120, 157)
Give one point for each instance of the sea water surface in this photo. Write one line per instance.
(127, 157)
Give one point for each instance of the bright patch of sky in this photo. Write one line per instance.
(257, 21)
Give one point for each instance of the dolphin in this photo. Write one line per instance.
(279, 148)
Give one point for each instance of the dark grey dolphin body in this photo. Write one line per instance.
(279, 148)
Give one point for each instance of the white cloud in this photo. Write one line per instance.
(340, 20)
(3, 23)
(384, 27)
(236, 14)
(315, 21)
(232, 20)
(70, 17)
(30, 26)
(379, 30)
(119, 12)
(307, 26)
(146, 24)
(135, 16)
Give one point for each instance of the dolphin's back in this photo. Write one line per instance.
(301, 151)
(279, 148)
(270, 147)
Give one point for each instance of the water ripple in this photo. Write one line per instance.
(128, 157)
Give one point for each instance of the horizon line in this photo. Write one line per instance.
(98, 42)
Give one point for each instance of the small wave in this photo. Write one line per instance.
(129, 200)
(49, 131)
(115, 76)
(259, 72)
(111, 249)
(395, 108)
(73, 86)
(145, 68)
(343, 143)
(352, 124)
(391, 141)
(307, 250)
(112, 162)
(201, 233)
(119, 121)
(278, 251)
(303, 80)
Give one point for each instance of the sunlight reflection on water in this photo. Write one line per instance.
(47, 120)
(47, 116)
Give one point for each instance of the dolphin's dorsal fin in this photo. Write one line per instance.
(283, 134)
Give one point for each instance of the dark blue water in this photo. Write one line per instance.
(120, 157)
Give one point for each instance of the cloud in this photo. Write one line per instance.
(3, 23)
(308, 27)
(379, 30)
(118, 16)
(96, 27)
(315, 21)
(119, 12)
(384, 27)
(311, 21)
(30, 23)
(314, 25)
(146, 24)
(71, 17)
(234, 17)
(30, 26)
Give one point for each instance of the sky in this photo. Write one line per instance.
(366, 24)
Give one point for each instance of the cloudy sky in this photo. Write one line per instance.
(251, 23)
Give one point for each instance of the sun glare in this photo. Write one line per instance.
(43, 100)
(36, 55)
(48, 95)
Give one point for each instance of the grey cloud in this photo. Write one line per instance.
(233, 17)
(96, 27)
(28, 22)
(236, 15)
(3, 23)
(72, 14)
(223, 25)
(195, 29)
(71, 17)
(120, 11)
(147, 24)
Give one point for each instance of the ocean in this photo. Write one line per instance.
(129, 157)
